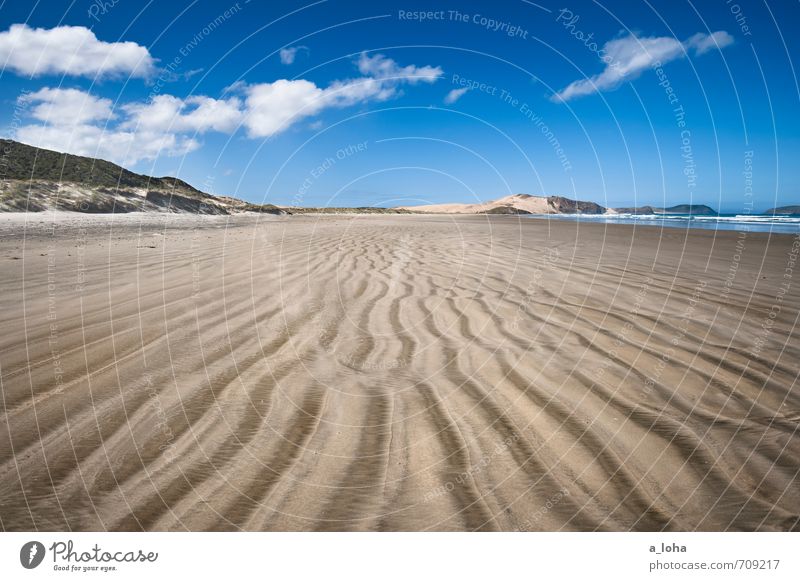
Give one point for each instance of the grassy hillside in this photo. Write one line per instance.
(25, 162)
(34, 179)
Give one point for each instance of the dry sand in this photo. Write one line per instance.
(395, 373)
(530, 204)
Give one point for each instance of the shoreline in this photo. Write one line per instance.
(735, 223)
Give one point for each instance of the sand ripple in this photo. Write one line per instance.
(396, 373)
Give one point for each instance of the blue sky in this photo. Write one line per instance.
(353, 103)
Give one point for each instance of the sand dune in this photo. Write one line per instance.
(525, 202)
(395, 373)
(522, 203)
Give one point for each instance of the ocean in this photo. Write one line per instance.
(776, 224)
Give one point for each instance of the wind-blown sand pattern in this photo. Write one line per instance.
(395, 373)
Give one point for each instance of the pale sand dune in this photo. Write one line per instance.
(530, 204)
(395, 373)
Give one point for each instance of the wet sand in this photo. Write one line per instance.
(395, 373)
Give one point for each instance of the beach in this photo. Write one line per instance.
(395, 373)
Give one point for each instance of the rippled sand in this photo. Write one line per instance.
(395, 373)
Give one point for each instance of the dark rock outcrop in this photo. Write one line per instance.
(567, 206)
(692, 209)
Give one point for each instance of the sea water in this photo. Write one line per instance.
(777, 224)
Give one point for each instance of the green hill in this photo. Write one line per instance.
(35, 179)
(787, 210)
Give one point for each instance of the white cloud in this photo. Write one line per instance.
(74, 121)
(271, 108)
(288, 54)
(70, 50)
(703, 43)
(381, 67)
(82, 124)
(193, 114)
(67, 107)
(350, 92)
(626, 58)
(455, 95)
(122, 147)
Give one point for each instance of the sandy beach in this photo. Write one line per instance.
(392, 373)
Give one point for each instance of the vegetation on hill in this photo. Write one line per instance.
(786, 210)
(34, 179)
(692, 209)
(357, 210)
(505, 210)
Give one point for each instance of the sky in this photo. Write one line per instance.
(346, 103)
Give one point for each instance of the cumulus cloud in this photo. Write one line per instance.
(67, 107)
(271, 108)
(77, 122)
(455, 95)
(123, 147)
(627, 57)
(80, 123)
(70, 50)
(290, 53)
(193, 114)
